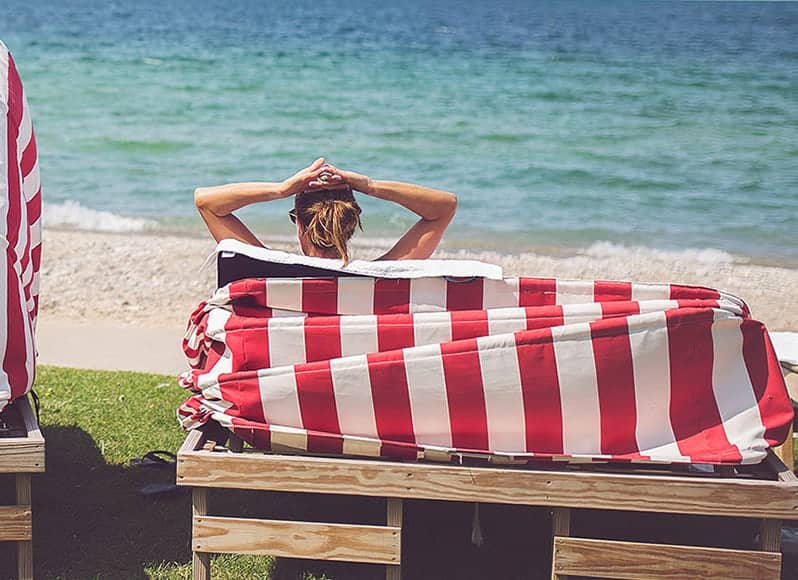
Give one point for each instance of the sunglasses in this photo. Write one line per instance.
(292, 215)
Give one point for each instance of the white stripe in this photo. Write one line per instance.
(5, 387)
(358, 334)
(31, 183)
(284, 293)
(279, 397)
(284, 438)
(648, 339)
(428, 295)
(734, 393)
(432, 328)
(352, 386)
(286, 341)
(651, 292)
(504, 402)
(361, 446)
(576, 371)
(25, 130)
(217, 318)
(574, 291)
(647, 306)
(427, 389)
(506, 320)
(579, 313)
(500, 293)
(355, 295)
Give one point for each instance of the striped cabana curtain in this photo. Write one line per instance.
(518, 369)
(20, 236)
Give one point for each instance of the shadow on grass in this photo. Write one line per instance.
(91, 522)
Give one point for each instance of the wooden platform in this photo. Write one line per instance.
(769, 496)
(21, 454)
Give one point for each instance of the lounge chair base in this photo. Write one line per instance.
(204, 464)
(21, 454)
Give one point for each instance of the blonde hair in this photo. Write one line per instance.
(330, 218)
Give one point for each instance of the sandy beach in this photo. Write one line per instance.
(121, 301)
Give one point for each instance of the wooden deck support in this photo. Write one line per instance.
(205, 466)
(21, 456)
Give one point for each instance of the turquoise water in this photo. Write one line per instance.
(670, 125)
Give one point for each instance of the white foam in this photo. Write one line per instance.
(613, 250)
(71, 214)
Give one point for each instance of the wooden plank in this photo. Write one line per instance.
(200, 561)
(317, 541)
(393, 519)
(15, 523)
(770, 535)
(194, 440)
(23, 454)
(560, 527)
(25, 541)
(629, 492)
(635, 561)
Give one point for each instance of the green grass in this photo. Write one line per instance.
(90, 520)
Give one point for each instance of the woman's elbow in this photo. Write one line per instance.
(450, 206)
(201, 198)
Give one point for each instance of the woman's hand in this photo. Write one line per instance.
(332, 177)
(307, 178)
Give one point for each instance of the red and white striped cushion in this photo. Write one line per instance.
(20, 234)
(523, 368)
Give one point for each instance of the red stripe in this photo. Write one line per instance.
(243, 391)
(612, 352)
(257, 435)
(541, 391)
(694, 413)
(767, 380)
(465, 295)
(681, 292)
(604, 291)
(322, 338)
(543, 317)
(34, 207)
(391, 396)
(28, 161)
(391, 296)
(17, 350)
(317, 406)
(537, 291)
(469, 324)
(320, 295)
(395, 332)
(250, 349)
(465, 394)
(617, 309)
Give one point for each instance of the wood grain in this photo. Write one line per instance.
(628, 492)
(15, 523)
(200, 561)
(635, 561)
(393, 518)
(344, 542)
(23, 454)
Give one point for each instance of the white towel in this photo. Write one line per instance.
(380, 269)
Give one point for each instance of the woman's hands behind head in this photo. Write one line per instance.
(305, 178)
(332, 178)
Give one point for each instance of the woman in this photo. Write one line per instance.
(326, 213)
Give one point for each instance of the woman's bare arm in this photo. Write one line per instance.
(436, 209)
(216, 204)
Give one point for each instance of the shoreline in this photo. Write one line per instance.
(135, 279)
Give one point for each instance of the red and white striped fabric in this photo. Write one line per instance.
(20, 234)
(515, 369)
